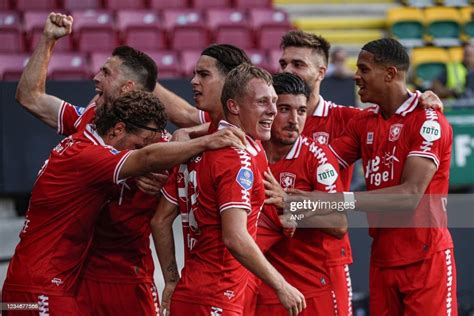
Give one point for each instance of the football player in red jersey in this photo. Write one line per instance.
(71, 188)
(406, 153)
(226, 192)
(307, 258)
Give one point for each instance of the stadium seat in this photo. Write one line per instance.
(419, 3)
(11, 66)
(23, 5)
(74, 5)
(175, 4)
(5, 5)
(186, 28)
(10, 33)
(428, 63)
(141, 29)
(124, 4)
(251, 4)
(269, 25)
(406, 25)
(467, 19)
(68, 66)
(94, 31)
(189, 59)
(443, 26)
(206, 4)
(274, 59)
(230, 26)
(456, 54)
(167, 62)
(259, 58)
(455, 3)
(97, 60)
(34, 25)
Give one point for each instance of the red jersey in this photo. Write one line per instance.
(328, 123)
(303, 260)
(221, 179)
(120, 251)
(68, 194)
(384, 146)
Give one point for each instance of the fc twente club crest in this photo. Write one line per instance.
(321, 138)
(287, 180)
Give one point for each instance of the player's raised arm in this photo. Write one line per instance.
(31, 93)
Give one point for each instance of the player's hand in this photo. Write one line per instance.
(57, 25)
(166, 299)
(229, 136)
(292, 299)
(152, 183)
(430, 100)
(181, 135)
(289, 224)
(274, 192)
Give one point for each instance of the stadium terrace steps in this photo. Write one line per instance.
(340, 23)
(344, 37)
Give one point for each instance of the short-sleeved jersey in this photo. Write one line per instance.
(327, 123)
(120, 251)
(67, 197)
(303, 260)
(221, 180)
(384, 146)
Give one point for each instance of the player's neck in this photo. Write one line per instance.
(217, 116)
(313, 101)
(275, 151)
(392, 100)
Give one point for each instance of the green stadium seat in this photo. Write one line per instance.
(428, 63)
(468, 22)
(406, 25)
(443, 26)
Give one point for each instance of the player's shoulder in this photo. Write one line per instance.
(420, 115)
(344, 109)
(314, 149)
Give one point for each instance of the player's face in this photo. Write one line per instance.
(110, 80)
(207, 84)
(369, 77)
(257, 109)
(290, 118)
(304, 63)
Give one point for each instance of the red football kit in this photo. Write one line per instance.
(384, 146)
(328, 123)
(68, 193)
(120, 255)
(304, 259)
(212, 278)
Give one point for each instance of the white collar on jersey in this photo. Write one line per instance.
(322, 109)
(93, 136)
(407, 107)
(252, 146)
(296, 149)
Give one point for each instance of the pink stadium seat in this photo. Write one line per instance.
(250, 4)
(5, 5)
(11, 66)
(230, 26)
(189, 59)
(273, 59)
(23, 5)
(167, 62)
(186, 28)
(269, 25)
(74, 5)
(94, 30)
(33, 26)
(259, 58)
(11, 38)
(124, 4)
(97, 60)
(68, 66)
(175, 4)
(141, 29)
(206, 4)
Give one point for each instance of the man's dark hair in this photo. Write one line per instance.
(139, 64)
(389, 52)
(136, 109)
(287, 83)
(298, 38)
(228, 56)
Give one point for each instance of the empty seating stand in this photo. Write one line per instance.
(10, 33)
(186, 29)
(12, 65)
(269, 25)
(94, 30)
(68, 66)
(230, 26)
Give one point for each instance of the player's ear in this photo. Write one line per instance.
(390, 73)
(119, 129)
(128, 86)
(232, 107)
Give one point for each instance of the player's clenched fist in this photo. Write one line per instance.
(57, 25)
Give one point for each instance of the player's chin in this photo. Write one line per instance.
(263, 134)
